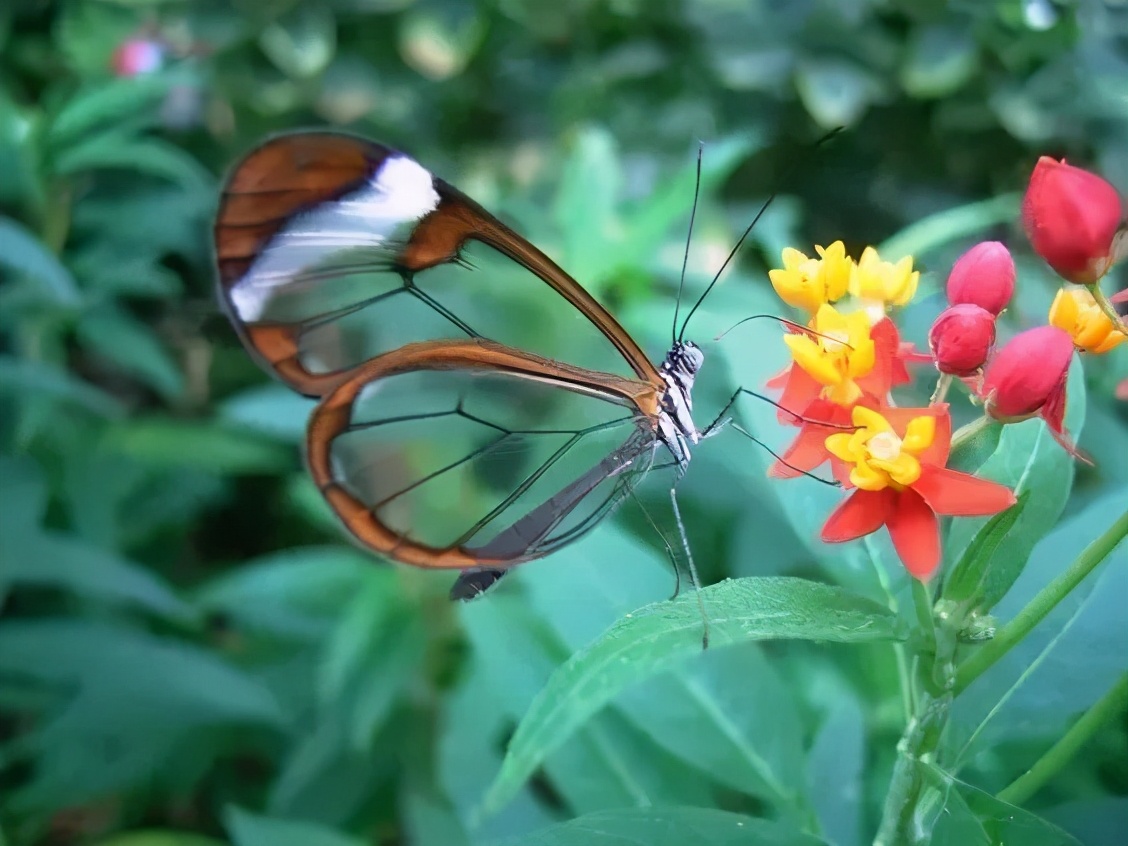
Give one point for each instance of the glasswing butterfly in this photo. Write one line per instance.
(467, 418)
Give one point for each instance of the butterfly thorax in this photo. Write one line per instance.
(676, 429)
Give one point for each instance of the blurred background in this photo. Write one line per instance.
(189, 649)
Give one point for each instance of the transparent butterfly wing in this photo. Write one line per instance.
(476, 455)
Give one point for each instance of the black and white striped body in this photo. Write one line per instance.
(676, 429)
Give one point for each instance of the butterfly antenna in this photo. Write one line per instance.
(748, 230)
(692, 569)
(688, 238)
(798, 327)
(830, 482)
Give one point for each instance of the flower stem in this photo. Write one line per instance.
(1045, 601)
(969, 431)
(1107, 308)
(1104, 709)
(942, 386)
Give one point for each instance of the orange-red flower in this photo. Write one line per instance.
(897, 459)
(1071, 217)
(1076, 311)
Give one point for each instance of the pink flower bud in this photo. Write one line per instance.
(138, 56)
(961, 339)
(983, 276)
(1029, 373)
(1071, 217)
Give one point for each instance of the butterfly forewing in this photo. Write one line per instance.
(334, 250)
(458, 455)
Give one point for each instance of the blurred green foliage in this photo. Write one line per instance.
(190, 654)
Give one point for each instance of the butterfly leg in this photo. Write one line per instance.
(692, 568)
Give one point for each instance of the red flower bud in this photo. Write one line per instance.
(961, 339)
(1029, 373)
(1071, 217)
(983, 276)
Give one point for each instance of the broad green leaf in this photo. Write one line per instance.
(203, 445)
(110, 104)
(836, 770)
(1068, 661)
(979, 576)
(143, 697)
(301, 43)
(53, 560)
(836, 92)
(586, 204)
(966, 816)
(22, 252)
(133, 347)
(745, 736)
(667, 826)
(296, 593)
(1029, 461)
(25, 379)
(23, 496)
(939, 60)
(606, 763)
(249, 829)
(662, 635)
(149, 156)
(942, 228)
(159, 838)
(272, 409)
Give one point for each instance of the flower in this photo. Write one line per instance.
(1076, 311)
(138, 56)
(961, 339)
(879, 283)
(1071, 217)
(898, 458)
(1028, 377)
(808, 283)
(840, 352)
(983, 276)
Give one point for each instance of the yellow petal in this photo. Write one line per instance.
(904, 469)
(838, 445)
(919, 434)
(868, 478)
(862, 358)
(1063, 311)
(1113, 340)
(869, 420)
(792, 258)
(810, 357)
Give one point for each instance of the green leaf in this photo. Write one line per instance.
(980, 576)
(159, 838)
(662, 635)
(25, 379)
(966, 816)
(249, 829)
(202, 445)
(271, 409)
(586, 201)
(150, 156)
(1027, 460)
(141, 696)
(22, 252)
(302, 42)
(665, 827)
(297, 593)
(133, 347)
(836, 772)
(109, 104)
(23, 496)
(939, 60)
(942, 228)
(52, 560)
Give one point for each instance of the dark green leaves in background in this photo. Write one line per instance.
(190, 653)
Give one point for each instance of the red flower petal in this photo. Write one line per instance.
(808, 450)
(862, 513)
(961, 339)
(886, 346)
(916, 534)
(799, 392)
(960, 494)
(1030, 367)
(983, 276)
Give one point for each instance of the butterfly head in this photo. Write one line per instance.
(685, 357)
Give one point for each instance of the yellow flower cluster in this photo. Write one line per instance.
(810, 283)
(1076, 311)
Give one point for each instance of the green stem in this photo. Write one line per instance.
(1106, 708)
(1106, 307)
(969, 431)
(942, 386)
(1042, 604)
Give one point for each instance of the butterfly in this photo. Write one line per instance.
(477, 407)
